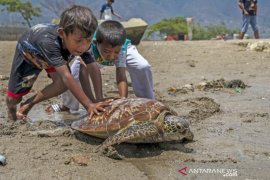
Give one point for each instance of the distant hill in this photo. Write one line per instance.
(152, 11)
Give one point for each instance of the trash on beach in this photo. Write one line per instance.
(220, 84)
(238, 90)
(172, 89)
(3, 160)
(183, 90)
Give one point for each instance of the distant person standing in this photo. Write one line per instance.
(249, 10)
(107, 10)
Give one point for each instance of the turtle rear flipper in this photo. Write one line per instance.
(137, 130)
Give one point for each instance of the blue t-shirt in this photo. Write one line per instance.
(119, 62)
(107, 10)
(106, 6)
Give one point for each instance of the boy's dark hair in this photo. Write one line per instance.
(111, 32)
(78, 17)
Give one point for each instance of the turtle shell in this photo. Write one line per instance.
(119, 115)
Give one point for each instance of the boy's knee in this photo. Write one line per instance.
(56, 79)
(145, 66)
(255, 28)
(244, 29)
(11, 101)
(142, 67)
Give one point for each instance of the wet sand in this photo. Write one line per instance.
(231, 125)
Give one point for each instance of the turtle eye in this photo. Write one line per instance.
(179, 126)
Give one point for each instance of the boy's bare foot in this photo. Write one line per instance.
(12, 108)
(56, 108)
(21, 114)
(21, 117)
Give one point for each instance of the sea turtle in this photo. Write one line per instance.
(135, 120)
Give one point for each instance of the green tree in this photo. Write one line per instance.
(168, 26)
(179, 25)
(25, 9)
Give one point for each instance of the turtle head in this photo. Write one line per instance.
(176, 128)
(174, 124)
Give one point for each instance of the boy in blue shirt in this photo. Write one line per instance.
(51, 47)
(110, 47)
(107, 11)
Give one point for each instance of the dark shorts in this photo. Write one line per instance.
(22, 77)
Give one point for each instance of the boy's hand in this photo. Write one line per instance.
(95, 108)
(246, 13)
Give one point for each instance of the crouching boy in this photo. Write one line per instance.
(51, 47)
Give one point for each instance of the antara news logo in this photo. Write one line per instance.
(225, 172)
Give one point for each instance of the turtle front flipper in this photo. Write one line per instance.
(133, 132)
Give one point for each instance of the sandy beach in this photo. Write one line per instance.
(222, 87)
